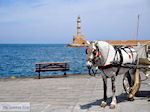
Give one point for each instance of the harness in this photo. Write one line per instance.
(116, 63)
(118, 58)
(118, 50)
(121, 59)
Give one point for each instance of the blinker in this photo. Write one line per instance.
(88, 50)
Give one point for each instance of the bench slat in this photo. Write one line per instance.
(52, 66)
(59, 69)
(53, 63)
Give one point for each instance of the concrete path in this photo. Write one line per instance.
(71, 94)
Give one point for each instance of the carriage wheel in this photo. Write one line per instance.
(128, 83)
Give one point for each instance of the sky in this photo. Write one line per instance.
(54, 21)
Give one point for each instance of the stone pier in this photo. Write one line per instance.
(81, 93)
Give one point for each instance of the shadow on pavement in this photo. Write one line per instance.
(143, 94)
(120, 98)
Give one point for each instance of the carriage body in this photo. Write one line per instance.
(143, 65)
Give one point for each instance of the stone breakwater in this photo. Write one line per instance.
(76, 45)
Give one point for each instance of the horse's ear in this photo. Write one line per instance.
(96, 43)
(88, 42)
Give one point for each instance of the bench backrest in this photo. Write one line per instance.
(56, 66)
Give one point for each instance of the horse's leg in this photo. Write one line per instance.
(114, 101)
(104, 102)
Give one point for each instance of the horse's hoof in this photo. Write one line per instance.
(112, 106)
(103, 104)
(131, 99)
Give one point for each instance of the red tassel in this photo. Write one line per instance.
(98, 54)
(129, 56)
(101, 69)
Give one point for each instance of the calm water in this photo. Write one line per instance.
(19, 59)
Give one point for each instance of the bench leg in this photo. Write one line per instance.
(39, 75)
(65, 74)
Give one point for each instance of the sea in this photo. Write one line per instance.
(18, 60)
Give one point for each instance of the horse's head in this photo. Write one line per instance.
(93, 55)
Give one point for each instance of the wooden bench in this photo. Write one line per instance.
(52, 66)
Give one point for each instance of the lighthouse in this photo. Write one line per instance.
(79, 39)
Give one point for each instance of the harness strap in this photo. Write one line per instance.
(109, 66)
(123, 48)
(118, 50)
(121, 60)
(121, 57)
(118, 70)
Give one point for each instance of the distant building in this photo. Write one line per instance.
(128, 42)
(79, 39)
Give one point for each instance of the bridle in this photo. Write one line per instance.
(94, 52)
(96, 56)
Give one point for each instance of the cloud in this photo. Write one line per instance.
(57, 18)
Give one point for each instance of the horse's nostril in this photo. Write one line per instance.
(89, 59)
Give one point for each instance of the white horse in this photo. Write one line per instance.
(109, 60)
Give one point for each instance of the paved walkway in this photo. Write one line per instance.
(71, 94)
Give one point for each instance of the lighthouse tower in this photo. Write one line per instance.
(78, 26)
(79, 39)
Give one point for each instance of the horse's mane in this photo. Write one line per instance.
(107, 51)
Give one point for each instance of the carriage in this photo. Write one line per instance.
(141, 66)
